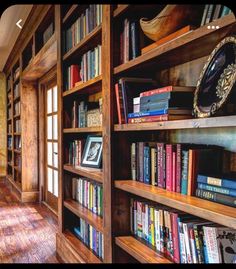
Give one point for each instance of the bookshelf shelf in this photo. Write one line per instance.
(84, 213)
(119, 10)
(17, 151)
(16, 99)
(90, 84)
(69, 13)
(88, 39)
(215, 212)
(204, 37)
(213, 122)
(92, 173)
(80, 252)
(16, 116)
(17, 133)
(139, 251)
(83, 130)
(14, 183)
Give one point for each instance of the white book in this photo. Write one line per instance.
(211, 244)
(187, 243)
(146, 222)
(182, 244)
(157, 229)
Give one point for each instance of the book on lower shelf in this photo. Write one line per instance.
(92, 238)
(181, 237)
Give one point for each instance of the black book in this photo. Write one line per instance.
(135, 45)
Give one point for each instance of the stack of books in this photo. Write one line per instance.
(174, 167)
(89, 194)
(75, 152)
(90, 237)
(213, 12)
(181, 237)
(89, 20)
(220, 190)
(72, 76)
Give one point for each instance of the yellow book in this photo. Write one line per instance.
(152, 226)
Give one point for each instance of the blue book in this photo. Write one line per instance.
(77, 231)
(146, 165)
(226, 191)
(160, 97)
(150, 113)
(184, 179)
(219, 182)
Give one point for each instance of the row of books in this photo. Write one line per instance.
(75, 152)
(181, 237)
(16, 90)
(89, 194)
(90, 237)
(129, 40)
(17, 108)
(86, 22)
(213, 12)
(9, 111)
(18, 126)
(9, 142)
(17, 140)
(220, 190)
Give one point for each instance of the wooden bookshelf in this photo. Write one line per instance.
(139, 251)
(85, 214)
(69, 13)
(96, 129)
(119, 10)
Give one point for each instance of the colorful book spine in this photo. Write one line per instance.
(184, 180)
(219, 182)
(163, 117)
(133, 161)
(146, 164)
(226, 191)
(160, 165)
(145, 114)
(169, 167)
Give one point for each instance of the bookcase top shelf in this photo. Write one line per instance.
(97, 129)
(215, 212)
(88, 86)
(91, 173)
(139, 251)
(69, 13)
(200, 42)
(84, 213)
(213, 122)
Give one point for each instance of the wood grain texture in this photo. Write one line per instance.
(83, 130)
(27, 232)
(120, 9)
(215, 212)
(84, 213)
(69, 13)
(139, 251)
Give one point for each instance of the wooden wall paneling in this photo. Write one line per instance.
(107, 128)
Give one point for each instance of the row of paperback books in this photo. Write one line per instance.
(75, 152)
(86, 22)
(18, 126)
(90, 237)
(181, 237)
(89, 194)
(213, 12)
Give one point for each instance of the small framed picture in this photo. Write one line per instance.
(92, 154)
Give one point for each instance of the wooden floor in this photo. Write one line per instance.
(27, 231)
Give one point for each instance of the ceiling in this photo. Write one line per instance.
(9, 31)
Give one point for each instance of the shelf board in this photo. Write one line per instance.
(212, 122)
(43, 61)
(17, 133)
(139, 251)
(17, 151)
(119, 10)
(16, 116)
(84, 213)
(69, 12)
(83, 42)
(9, 149)
(205, 209)
(10, 164)
(79, 247)
(14, 183)
(16, 99)
(188, 42)
(83, 86)
(83, 130)
(91, 173)
(17, 168)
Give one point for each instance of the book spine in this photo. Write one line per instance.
(156, 91)
(216, 197)
(184, 180)
(146, 165)
(163, 117)
(199, 245)
(209, 14)
(141, 168)
(174, 223)
(193, 245)
(150, 113)
(169, 168)
(157, 229)
(204, 15)
(173, 171)
(160, 165)
(133, 40)
(152, 226)
(162, 231)
(120, 104)
(152, 106)
(187, 243)
(230, 192)
(153, 166)
(178, 168)
(230, 184)
(133, 161)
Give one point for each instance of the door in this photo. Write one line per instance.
(51, 147)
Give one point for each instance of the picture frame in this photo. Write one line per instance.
(92, 153)
(217, 79)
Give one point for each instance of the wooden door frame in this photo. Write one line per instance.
(48, 78)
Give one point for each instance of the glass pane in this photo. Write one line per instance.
(55, 99)
(49, 101)
(55, 131)
(50, 160)
(49, 126)
(55, 155)
(55, 191)
(50, 179)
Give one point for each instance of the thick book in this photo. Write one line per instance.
(120, 104)
(75, 74)
(135, 46)
(216, 181)
(161, 165)
(216, 197)
(217, 11)
(157, 118)
(176, 249)
(226, 191)
(172, 36)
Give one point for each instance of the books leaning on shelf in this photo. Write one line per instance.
(220, 190)
(213, 12)
(75, 152)
(89, 194)
(173, 167)
(181, 237)
(86, 22)
(90, 237)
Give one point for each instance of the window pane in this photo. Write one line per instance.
(55, 155)
(50, 179)
(50, 160)
(55, 192)
(49, 102)
(49, 126)
(55, 131)
(55, 99)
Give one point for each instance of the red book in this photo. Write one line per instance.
(119, 102)
(173, 170)
(175, 236)
(192, 170)
(178, 168)
(160, 165)
(75, 74)
(163, 117)
(168, 89)
(169, 167)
